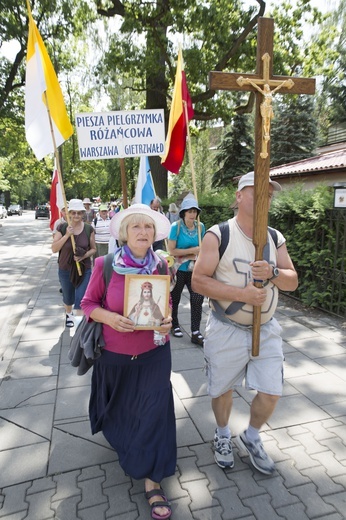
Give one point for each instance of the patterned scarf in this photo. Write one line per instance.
(125, 263)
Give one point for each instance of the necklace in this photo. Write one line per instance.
(188, 231)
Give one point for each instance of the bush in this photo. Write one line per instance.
(314, 233)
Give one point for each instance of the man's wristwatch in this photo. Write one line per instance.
(276, 273)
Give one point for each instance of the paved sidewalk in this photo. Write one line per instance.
(51, 467)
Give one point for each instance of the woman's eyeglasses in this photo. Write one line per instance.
(76, 212)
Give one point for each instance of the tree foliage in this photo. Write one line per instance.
(334, 86)
(235, 153)
(314, 233)
(132, 49)
(294, 131)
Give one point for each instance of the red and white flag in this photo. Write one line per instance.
(178, 121)
(56, 199)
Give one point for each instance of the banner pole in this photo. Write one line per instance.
(123, 182)
(189, 147)
(57, 159)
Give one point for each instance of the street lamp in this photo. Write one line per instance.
(339, 195)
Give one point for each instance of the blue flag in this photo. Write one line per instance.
(145, 191)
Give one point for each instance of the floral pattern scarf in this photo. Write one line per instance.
(125, 263)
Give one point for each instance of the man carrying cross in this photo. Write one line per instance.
(228, 282)
(241, 267)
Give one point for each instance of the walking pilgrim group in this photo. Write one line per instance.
(131, 398)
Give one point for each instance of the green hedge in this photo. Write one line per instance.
(315, 236)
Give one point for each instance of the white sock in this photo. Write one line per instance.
(225, 431)
(252, 434)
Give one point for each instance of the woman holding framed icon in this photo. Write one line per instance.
(131, 398)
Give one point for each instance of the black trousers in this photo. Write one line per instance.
(196, 301)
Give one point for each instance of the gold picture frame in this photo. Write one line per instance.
(146, 299)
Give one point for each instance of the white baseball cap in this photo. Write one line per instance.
(249, 180)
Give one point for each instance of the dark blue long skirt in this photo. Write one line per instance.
(131, 402)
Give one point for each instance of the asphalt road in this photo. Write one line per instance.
(24, 253)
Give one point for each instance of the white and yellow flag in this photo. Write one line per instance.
(41, 78)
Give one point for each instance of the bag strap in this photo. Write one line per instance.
(107, 268)
(224, 230)
(87, 228)
(63, 228)
(178, 228)
(274, 236)
(107, 272)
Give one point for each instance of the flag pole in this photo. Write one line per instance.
(56, 155)
(192, 169)
(123, 182)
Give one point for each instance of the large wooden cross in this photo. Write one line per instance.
(264, 84)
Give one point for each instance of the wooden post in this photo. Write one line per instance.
(123, 183)
(193, 174)
(56, 155)
(264, 84)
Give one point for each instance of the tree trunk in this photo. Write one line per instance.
(157, 89)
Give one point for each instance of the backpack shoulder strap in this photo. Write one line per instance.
(107, 268)
(63, 228)
(95, 221)
(87, 228)
(224, 230)
(178, 228)
(107, 272)
(274, 235)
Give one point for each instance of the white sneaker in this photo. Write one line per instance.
(258, 456)
(223, 451)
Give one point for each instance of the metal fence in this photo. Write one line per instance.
(321, 262)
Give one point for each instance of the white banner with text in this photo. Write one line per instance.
(116, 135)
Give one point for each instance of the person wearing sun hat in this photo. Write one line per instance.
(131, 398)
(89, 214)
(101, 225)
(183, 244)
(73, 284)
(228, 281)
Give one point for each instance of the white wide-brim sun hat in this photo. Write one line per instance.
(162, 224)
(76, 205)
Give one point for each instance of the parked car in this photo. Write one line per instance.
(42, 211)
(3, 211)
(15, 209)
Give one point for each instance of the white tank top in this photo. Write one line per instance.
(234, 269)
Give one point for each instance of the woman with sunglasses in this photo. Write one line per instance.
(73, 283)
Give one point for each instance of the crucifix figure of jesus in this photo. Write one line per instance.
(266, 107)
(264, 84)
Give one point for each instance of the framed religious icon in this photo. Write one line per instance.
(146, 300)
